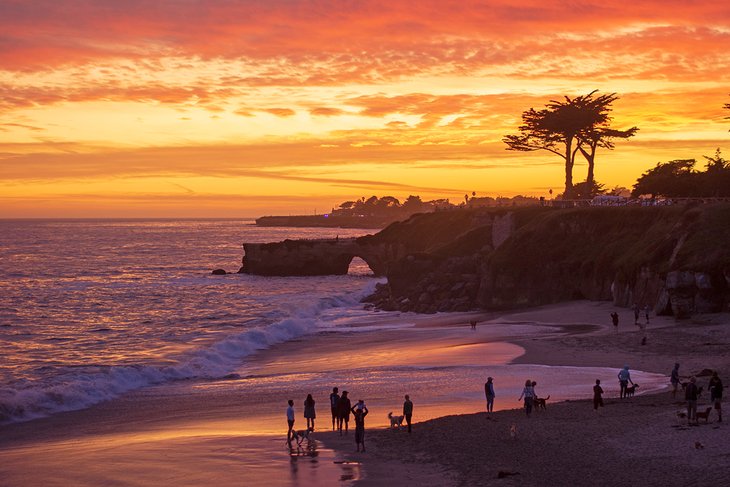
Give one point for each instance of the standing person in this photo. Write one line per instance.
(597, 398)
(290, 421)
(309, 412)
(690, 395)
(674, 380)
(614, 318)
(624, 377)
(636, 313)
(359, 410)
(646, 313)
(715, 387)
(334, 400)
(529, 394)
(489, 393)
(343, 412)
(408, 411)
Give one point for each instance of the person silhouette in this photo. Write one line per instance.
(290, 421)
(597, 395)
(529, 394)
(334, 400)
(359, 411)
(624, 377)
(344, 409)
(408, 411)
(309, 412)
(489, 393)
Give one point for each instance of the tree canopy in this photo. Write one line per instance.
(679, 178)
(564, 128)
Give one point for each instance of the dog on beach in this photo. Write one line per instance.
(513, 431)
(631, 390)
(540, 402)
(395, 421)
(300, 435)
(705, 415)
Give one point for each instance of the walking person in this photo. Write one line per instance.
(408, 411)
(489, 393)
(309, 412)
(690, 395)
(597, 395)
(624, 377)
(343, 412)
(334, 400)
(529, 394)
(290, 421)
(636, 313)
(674, 380)
(715, 387)
(614, 318)
(359, 411)
(646, 313)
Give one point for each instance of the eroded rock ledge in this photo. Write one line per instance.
(674, 259)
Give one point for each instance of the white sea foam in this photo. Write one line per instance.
(79, 387)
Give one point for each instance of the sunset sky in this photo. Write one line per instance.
(247, 108)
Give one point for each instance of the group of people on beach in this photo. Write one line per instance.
(341, 408)
(692, 393)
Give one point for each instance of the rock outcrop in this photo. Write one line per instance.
(674, 259)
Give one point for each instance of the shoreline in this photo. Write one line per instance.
(641, 440)
(165, 429)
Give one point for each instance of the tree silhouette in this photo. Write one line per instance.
(674, 179)
(566, 127)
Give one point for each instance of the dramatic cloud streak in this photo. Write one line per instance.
(300, 99)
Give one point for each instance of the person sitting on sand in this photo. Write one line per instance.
(343, 412)
(674, 380)
(489, 392)
(290, 421)
(715, 387)
(690, 395)
(624, 377)
(597, 398)
(359, 411)
(529, 394)
(334, 399)
(309, 412)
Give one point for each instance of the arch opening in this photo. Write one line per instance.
(359, 267)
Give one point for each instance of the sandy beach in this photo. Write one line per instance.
(200, 432)
(636, 441)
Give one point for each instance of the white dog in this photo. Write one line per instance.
(395, 421)
(299, 436)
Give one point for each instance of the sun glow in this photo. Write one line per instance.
(249, 106)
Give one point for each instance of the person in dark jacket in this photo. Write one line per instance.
(690, 395)
(309, 413)
(343, 408)
(408, 411)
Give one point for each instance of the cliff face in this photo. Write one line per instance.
(676, 260)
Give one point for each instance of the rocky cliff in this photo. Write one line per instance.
(674, 259)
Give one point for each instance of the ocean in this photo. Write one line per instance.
(124, 316)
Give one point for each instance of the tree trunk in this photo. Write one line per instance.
(568, 194)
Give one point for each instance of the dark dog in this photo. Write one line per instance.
(631, 390)
(705, 415)
(540, 402)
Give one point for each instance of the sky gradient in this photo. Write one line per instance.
(246, 108)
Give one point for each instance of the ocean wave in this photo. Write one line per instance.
(80, 387)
